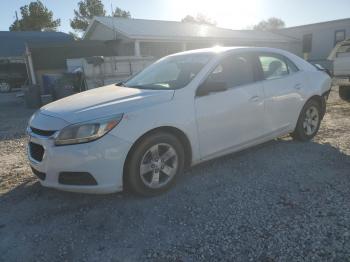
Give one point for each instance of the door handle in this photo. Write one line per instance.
(254, 99)
(297, 86)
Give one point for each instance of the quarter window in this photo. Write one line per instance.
(234, 70)
(292, 68)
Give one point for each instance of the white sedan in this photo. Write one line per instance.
(182, 110)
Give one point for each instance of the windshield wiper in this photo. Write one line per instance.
(151, 87)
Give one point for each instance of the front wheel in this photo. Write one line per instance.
(309, 121)
(154, 164)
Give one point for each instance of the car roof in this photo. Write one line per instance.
(224, 49)
(301, 63)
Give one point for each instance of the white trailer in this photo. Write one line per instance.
(340, 56)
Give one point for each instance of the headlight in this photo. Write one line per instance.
(87, 131)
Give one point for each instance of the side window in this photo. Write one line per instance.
(234, 70)
(273, 67)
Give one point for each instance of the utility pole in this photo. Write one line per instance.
(112, 15)
(17, 23)
(115, 36)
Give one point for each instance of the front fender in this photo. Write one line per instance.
(137, 123)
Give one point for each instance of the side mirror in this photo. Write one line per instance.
(211, 87)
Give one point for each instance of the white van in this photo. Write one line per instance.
(340, 56)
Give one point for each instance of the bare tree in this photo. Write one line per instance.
(199, 19)
(272, 23)
(118, 12)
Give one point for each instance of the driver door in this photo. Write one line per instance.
(234, 116)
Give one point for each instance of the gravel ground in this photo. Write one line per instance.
(281, 201)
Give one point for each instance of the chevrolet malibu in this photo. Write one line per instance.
(182, 110)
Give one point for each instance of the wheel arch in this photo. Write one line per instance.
(167, 129)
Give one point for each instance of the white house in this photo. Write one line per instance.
(319, 39)
(139, 37)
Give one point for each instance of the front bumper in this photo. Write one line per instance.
(103, 159)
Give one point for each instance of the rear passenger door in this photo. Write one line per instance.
(282, 84)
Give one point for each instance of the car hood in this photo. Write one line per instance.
(104, 101)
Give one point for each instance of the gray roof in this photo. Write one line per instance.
(170, 30)
(12, 44)
(325, 23)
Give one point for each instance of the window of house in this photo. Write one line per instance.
(307, 43)
(339, 36)
(234, 70)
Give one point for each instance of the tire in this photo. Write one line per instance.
(5, 87)
(144, 174)
(344, 93)
(309, 121)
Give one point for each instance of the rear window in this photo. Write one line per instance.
(276, 66)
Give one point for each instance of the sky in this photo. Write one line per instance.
(234, 14)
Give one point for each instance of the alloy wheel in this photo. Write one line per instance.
(158, 165)
(311, 120)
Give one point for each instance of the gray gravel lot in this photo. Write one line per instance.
(281, 201)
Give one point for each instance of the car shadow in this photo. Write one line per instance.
(278, 180)
(276, 154)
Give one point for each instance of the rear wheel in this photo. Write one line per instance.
(155, 164)
(344, 93)
(309, 121)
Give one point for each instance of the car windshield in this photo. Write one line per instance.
(172, 72)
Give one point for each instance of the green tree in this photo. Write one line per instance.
(121, 13)
(199, 19)
(35, 17)
(87, 9)
(272, 23)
